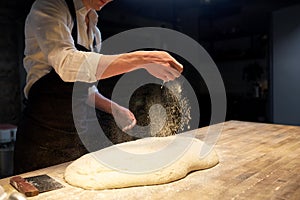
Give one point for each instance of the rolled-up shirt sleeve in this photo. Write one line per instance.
(50, 26)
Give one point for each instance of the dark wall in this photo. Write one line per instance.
(11, 55)
(235, 33)
(286, 66)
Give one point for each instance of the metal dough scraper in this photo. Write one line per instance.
(32, 186)
(44, 183)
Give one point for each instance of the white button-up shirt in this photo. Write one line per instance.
(49, 43)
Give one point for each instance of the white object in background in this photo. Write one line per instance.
(12, 196)
(16, 196)
(3, 195)
(7, 133)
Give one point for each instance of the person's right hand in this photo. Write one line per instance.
(162, 65)
(158, 63)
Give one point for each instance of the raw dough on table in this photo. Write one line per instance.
(90, 173)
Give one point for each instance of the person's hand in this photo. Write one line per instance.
(158, 63)
(124, 118)
(162, 65)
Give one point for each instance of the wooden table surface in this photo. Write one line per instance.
(257, 161)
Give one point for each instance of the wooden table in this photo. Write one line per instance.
(257, 161)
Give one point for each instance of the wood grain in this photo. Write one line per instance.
(257, 161)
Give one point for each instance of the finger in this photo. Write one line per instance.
(176, 65)
(171, 74)
(126, 128)
(133, 123)
(166, 78)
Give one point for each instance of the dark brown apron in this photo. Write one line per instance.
(46, 134)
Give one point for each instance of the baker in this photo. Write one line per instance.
(62, 45)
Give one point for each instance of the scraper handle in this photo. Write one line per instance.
(24, 186)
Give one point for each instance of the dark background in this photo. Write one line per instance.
(238, 34)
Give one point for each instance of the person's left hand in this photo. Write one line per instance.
(124, 118)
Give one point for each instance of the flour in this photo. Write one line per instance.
(148, 161)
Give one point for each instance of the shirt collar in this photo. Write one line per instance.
(79, 6)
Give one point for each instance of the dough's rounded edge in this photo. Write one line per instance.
(100, 177)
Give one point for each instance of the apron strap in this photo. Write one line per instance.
(72, 10)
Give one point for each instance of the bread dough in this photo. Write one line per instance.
(148, 161)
